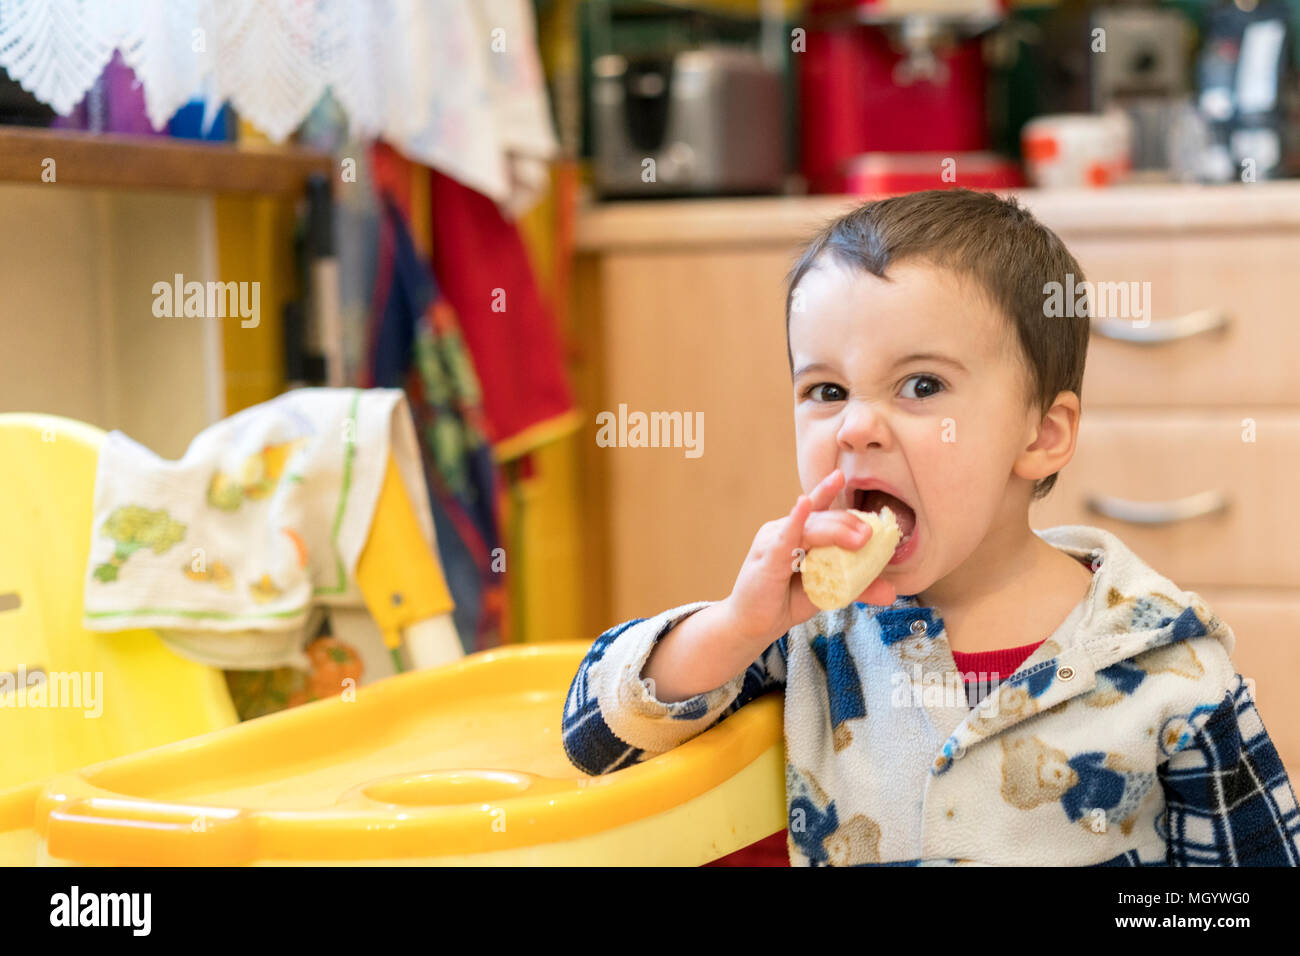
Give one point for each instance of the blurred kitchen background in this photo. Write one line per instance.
(678, 156)
(833, 96)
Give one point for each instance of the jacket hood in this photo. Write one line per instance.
(1131, 608)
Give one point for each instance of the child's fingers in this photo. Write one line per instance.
(838, 528)
(794, 526)
(826, 490)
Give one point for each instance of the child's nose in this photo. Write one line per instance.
(861, 426)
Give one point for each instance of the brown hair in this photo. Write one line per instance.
(995, 242)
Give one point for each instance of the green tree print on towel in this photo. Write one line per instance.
(133, 528)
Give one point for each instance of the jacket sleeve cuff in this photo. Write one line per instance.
(627, 702)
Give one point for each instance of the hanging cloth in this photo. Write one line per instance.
(482, 265)
(415, 343)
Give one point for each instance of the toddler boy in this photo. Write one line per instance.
(1106, 724)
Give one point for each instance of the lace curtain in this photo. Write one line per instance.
(453, 84)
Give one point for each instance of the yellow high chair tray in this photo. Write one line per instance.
(461, 764)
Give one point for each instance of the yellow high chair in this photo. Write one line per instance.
(148, 695)
(155, 695)
(461, 763)
(129, 692)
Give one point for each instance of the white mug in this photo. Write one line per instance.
(1066, 150)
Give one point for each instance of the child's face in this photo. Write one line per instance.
(946, 437)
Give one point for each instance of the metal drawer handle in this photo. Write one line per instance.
(1163, 330)
(1159, 512)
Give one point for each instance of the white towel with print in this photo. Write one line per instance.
(231, 552)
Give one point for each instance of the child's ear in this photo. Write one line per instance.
(1052, 443)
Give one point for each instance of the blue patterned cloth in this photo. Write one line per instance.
(415, 344)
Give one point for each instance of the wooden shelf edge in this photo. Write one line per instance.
(113, 161)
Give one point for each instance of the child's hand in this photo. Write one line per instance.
(768, 598)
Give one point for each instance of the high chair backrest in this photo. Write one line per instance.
(70, 697)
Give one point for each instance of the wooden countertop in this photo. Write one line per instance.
(782, 220)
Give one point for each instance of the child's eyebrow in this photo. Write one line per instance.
(812, 367)
(928, 357)
(914, 357)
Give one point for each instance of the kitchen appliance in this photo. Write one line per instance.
(696, 122)
(1144, 71)
(1246, 93)
(882, 76)
(1132, 56)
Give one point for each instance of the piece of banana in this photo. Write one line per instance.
(833, 576)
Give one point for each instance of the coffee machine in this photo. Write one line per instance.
(1143, 73)
(892, 77)
(1130, 55)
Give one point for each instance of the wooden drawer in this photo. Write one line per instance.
(1267, 628)
(1244, 275)
(1163, 456)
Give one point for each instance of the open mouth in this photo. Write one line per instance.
(874, 499)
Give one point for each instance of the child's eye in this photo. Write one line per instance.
(813, 390)
(931, 391)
